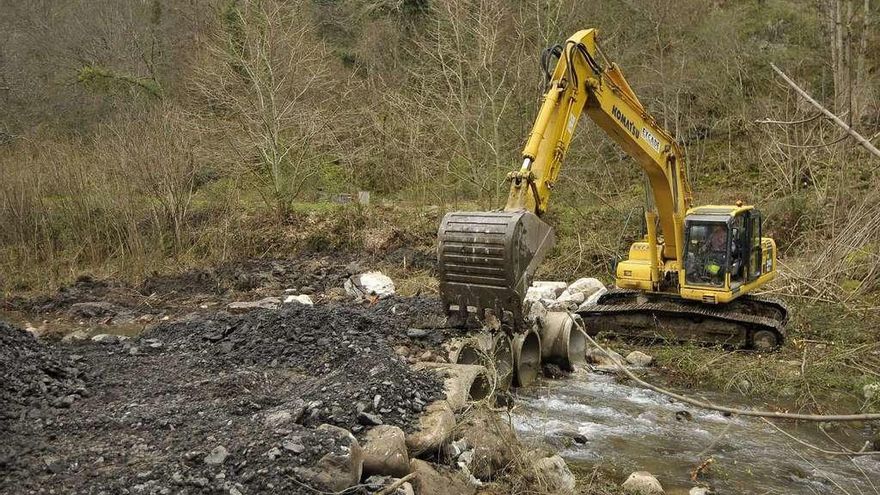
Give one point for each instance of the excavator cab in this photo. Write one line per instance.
(724, 253)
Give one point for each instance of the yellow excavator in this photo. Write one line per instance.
(689, 278)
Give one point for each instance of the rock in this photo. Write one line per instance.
(75, 335)
(301, 299)
(277, 418)
(338, 469)
(639, 358)
(492, 439)
(426, 356)
(401, 350)
(368, 419)
(642, 483)
(273, 453)
(217, 456)
(575, 298)
(385, 451)
(536, 311)
(434, 429)
(561, 439)
(417, 333)
(293, 445)
(595, 356)
(245, 306)
(106, 338)
(585, 286)
(543, 290)
(593, 299)
(429, 481)
(554, 476)
(375, 284)
(700, 490)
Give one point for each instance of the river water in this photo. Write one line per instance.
(629, 428)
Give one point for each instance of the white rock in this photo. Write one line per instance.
(370, 284)
(639, 358)
(105, 337)
(700, 490)
(301, 299)
(586, 286)
(574, 297)
(536, 311)
(594, 299)
(642, 483)
(548, 288)
(540, 294)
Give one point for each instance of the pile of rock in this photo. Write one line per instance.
(561, 296)
(35, 376)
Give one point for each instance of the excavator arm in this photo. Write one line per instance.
(487, 259)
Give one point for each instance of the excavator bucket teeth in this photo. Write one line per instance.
(487, 259)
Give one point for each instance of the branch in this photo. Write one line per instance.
(730, 410)
(819, 449)
(834, 118)
(789, 122)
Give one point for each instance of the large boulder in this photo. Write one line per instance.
(338, 469)
(493, 442)
(385, 452)
(553, 475)
(434, 429)
(642, 483)
(430, 481)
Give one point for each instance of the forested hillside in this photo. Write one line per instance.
(152, 133)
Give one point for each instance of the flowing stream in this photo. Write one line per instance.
(633, 429)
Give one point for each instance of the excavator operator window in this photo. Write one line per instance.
(706, 254)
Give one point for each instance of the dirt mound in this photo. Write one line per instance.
(302, 275)
(34, 376)
(348, 347)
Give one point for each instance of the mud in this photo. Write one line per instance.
(142, 415)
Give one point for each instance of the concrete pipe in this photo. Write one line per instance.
(463, 383)
(564, 343)
(526, 357)
(471, 350)
(502, 352)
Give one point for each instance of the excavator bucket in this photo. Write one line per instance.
(487, 259)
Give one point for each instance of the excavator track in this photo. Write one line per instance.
(751, 322)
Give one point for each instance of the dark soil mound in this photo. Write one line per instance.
(34, 376)
(348, 347)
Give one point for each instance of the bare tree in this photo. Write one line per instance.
(271, 82)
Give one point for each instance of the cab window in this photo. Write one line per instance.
(706, 254)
